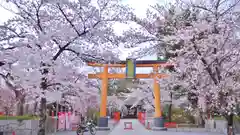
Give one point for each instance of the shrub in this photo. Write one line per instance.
(93, 114)
(181, 116)
(19, 118)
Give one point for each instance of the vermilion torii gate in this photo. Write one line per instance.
(130, 65)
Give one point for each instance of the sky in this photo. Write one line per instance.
(141, 7)
(5, 14)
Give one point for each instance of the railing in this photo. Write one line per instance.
(6, 129)
(219, 127)
(16, 129)
(236, 126)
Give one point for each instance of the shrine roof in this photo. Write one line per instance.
(132, 101)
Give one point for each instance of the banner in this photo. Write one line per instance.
(68, 120)
(61, 121)
(131, 68)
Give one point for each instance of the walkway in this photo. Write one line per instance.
(139, 129)
(74, 133)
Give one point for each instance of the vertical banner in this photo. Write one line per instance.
(75, 120)
(131, 68)
(53, 117)
(68, 120)
(61, 121)
(143, 117)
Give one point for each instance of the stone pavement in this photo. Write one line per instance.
(74, 133)
(139, 129)
(111, 124)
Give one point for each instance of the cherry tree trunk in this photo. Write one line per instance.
(201, 117)
(20, 107)
(170, 113)
(43, 117)
(43, 102)
(230, 124)
(21, 101)
(170, 109)
(35, 108)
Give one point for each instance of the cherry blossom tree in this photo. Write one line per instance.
(47, 40)
(202, 39)
(15, 88)
(8, 101)
(208, 58)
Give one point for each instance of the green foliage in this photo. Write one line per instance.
(24, 117)
(116, 86)
(181, 116)
(165, 111)
(237, 118)
(93, 114)
(165, 108)
(114, 109)
(179, 91)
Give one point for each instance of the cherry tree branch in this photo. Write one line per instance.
(209, 70)
(37, 8)
(53, 84)
(70, 22)
(230, 8)
(204, 8)
(2, 63)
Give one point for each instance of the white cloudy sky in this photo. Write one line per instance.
(140, 6)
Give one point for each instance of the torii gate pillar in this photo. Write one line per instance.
(158, 119)
(103, 120)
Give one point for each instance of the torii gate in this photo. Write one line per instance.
(130, 65)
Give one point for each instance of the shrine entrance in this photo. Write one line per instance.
(130, 65)
(131, 112)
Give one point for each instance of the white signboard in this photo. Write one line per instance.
(54, 96)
